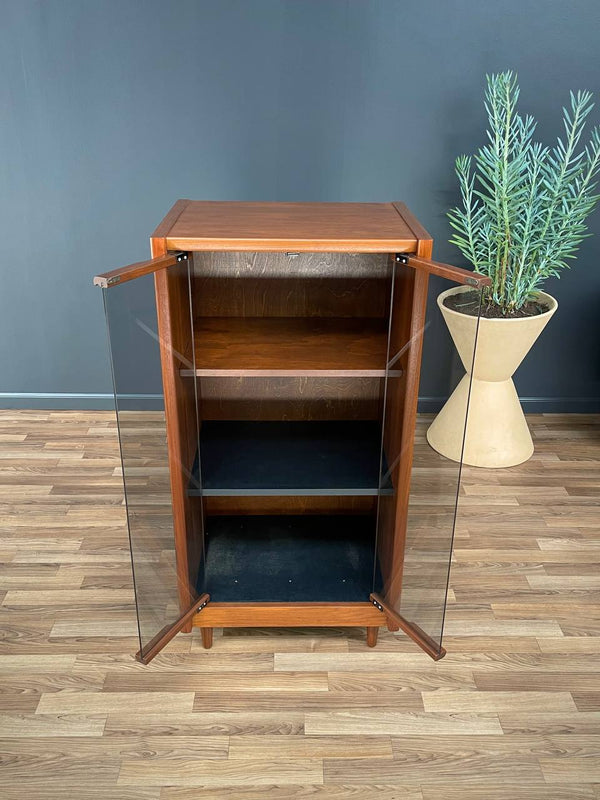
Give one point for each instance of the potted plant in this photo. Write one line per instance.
(523, 215)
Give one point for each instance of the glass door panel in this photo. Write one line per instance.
(419, 487)
(164, 578)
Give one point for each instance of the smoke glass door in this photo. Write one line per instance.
(421, 464)
(164, 576)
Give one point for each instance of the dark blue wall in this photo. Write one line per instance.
(112, 109)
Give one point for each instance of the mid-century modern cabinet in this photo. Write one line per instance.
(266, 365)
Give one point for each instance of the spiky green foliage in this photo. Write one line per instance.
(524, 205)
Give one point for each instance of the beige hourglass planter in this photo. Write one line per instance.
(497, 434)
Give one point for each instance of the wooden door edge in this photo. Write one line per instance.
(163, 637)
(425, 642)
(139, 269)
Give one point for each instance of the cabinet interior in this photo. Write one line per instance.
(288, 355)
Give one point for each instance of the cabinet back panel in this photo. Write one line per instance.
(281, 285)
(290, 398)
(290, 505)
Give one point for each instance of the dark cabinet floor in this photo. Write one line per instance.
(287, 458)
(289, 558)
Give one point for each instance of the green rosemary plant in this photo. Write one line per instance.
(524, 205)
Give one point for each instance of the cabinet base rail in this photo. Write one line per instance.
(370, 615)
(290, 615)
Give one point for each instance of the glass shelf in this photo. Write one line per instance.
(288, 458)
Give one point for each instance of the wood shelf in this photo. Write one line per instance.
(288, 346)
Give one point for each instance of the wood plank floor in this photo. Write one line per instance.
(513, 711)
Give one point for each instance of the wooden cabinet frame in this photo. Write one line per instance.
(304, 228)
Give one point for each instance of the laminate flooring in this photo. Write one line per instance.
(513, 711)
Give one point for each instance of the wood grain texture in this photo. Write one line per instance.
(300, 398)
(303, 227)
(131, 271)
(258, 615)
(290, 284)
(289, 346)
(511, 713)
(449, 271)
(419, 232)
(165, 225)
(345, 504)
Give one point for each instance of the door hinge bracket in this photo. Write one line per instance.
(377, 604)
(202, 605)
(401, 258)
(181, 256)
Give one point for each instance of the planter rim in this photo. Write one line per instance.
(552, 301)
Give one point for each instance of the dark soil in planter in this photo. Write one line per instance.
(468, 303)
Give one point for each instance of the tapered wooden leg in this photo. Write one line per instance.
(187, 628)
(207, 637)
(372, 636)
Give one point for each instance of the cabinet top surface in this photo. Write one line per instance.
(222, 225)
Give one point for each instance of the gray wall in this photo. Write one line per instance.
(112, 109)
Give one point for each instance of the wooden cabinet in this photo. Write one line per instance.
(266, 364)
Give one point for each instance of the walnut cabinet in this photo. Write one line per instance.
(268, 362)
